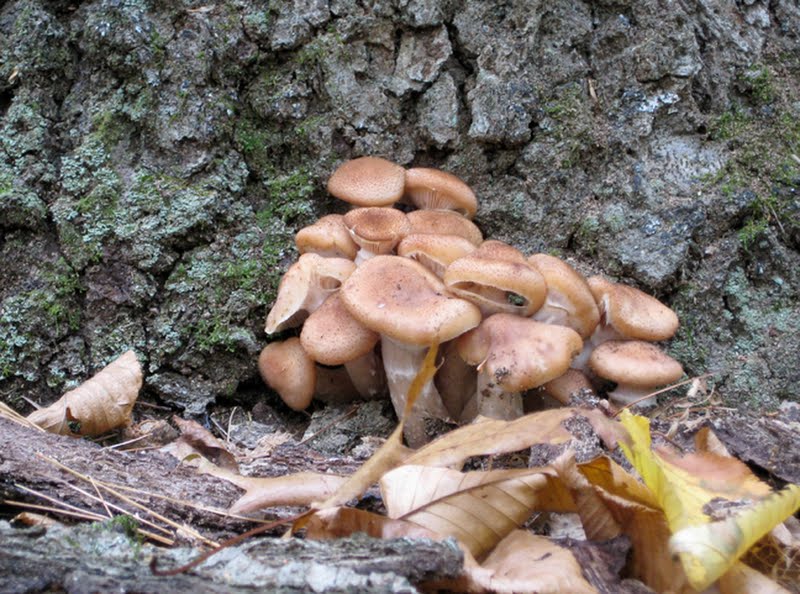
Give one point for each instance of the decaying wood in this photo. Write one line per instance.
(100, 559)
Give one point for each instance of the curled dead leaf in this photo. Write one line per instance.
(101, 403)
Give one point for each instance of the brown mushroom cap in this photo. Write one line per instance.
(376, 229)
(569, 300)
(444, 222)
(304, 287)
(564, 386)
(433, 189)
(403, 300)
(368, 181)
(327, 237)
(634, 363)
(632, 313)
(434, 252)
(500, 250)
(332, 336)
(288, 370)
(496, 285)
(519, 353)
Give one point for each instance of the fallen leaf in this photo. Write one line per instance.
(101, 403)
(741, 579)
(340, 522)
(204, 443)
(492, 436)
(525, 562)
(477, 508)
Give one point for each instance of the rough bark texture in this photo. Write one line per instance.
(156, 158)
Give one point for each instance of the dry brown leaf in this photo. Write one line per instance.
(477, 508)
(101, 403)
(340, 522)
(524, 562)
(741, 579)
(492, 436)
(204, 443)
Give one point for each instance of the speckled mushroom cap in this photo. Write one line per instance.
(377, 229)
(433, 189)
(634, 363)
(569, 300)
(496, 285)
(434, 252)
(500, 250)
(444, 222)
(632, 313)
(327, 237)
(304, 287)
(288, 370)
(403, 300)
(519, 353)
(368, 181)
(332, 336)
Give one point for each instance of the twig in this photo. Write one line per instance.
(85, 515)
(230, 424)
(122, 443)
(662, 390)
(12, 415)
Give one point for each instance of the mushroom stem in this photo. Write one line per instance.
(494, 402)
(402, 362)
(367, 376)
(624, 395)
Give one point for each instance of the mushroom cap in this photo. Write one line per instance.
(519, 353)
(500, 250)
(444, 222)
(377, 229)
(368, 181)
(332, 336)
(631, 312)
(564, 386)
(569, 300)
(433, 189)
(288, 370)
(434, 252)
(304, 287)
(327, 237)
(634, 363)
(496, 285)
(403, 300)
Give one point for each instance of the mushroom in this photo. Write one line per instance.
(304, 287)
(410, 308)
(569, 301)
(376, 230)
(368, 181)
(636, 366)
(332, 336)
(328, 237)
(496, 285)
(433, 189)
(288, 370)
(514, 354)
(434, 252)
(564, 386)
(444, 222)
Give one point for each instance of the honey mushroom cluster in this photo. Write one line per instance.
(374, 288)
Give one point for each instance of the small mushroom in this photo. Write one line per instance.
(332, 336)
(433, 189)
(376, 230)
(368, 181)
(564, 386)
(410, 308)
(434, 252)
(636, 366)
(304, 287)
(444, 222)
(328, 237)
(569, 301)
(495, 285)
(287, 369)
(514, 354)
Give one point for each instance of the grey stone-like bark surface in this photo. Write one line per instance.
(157, 157)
